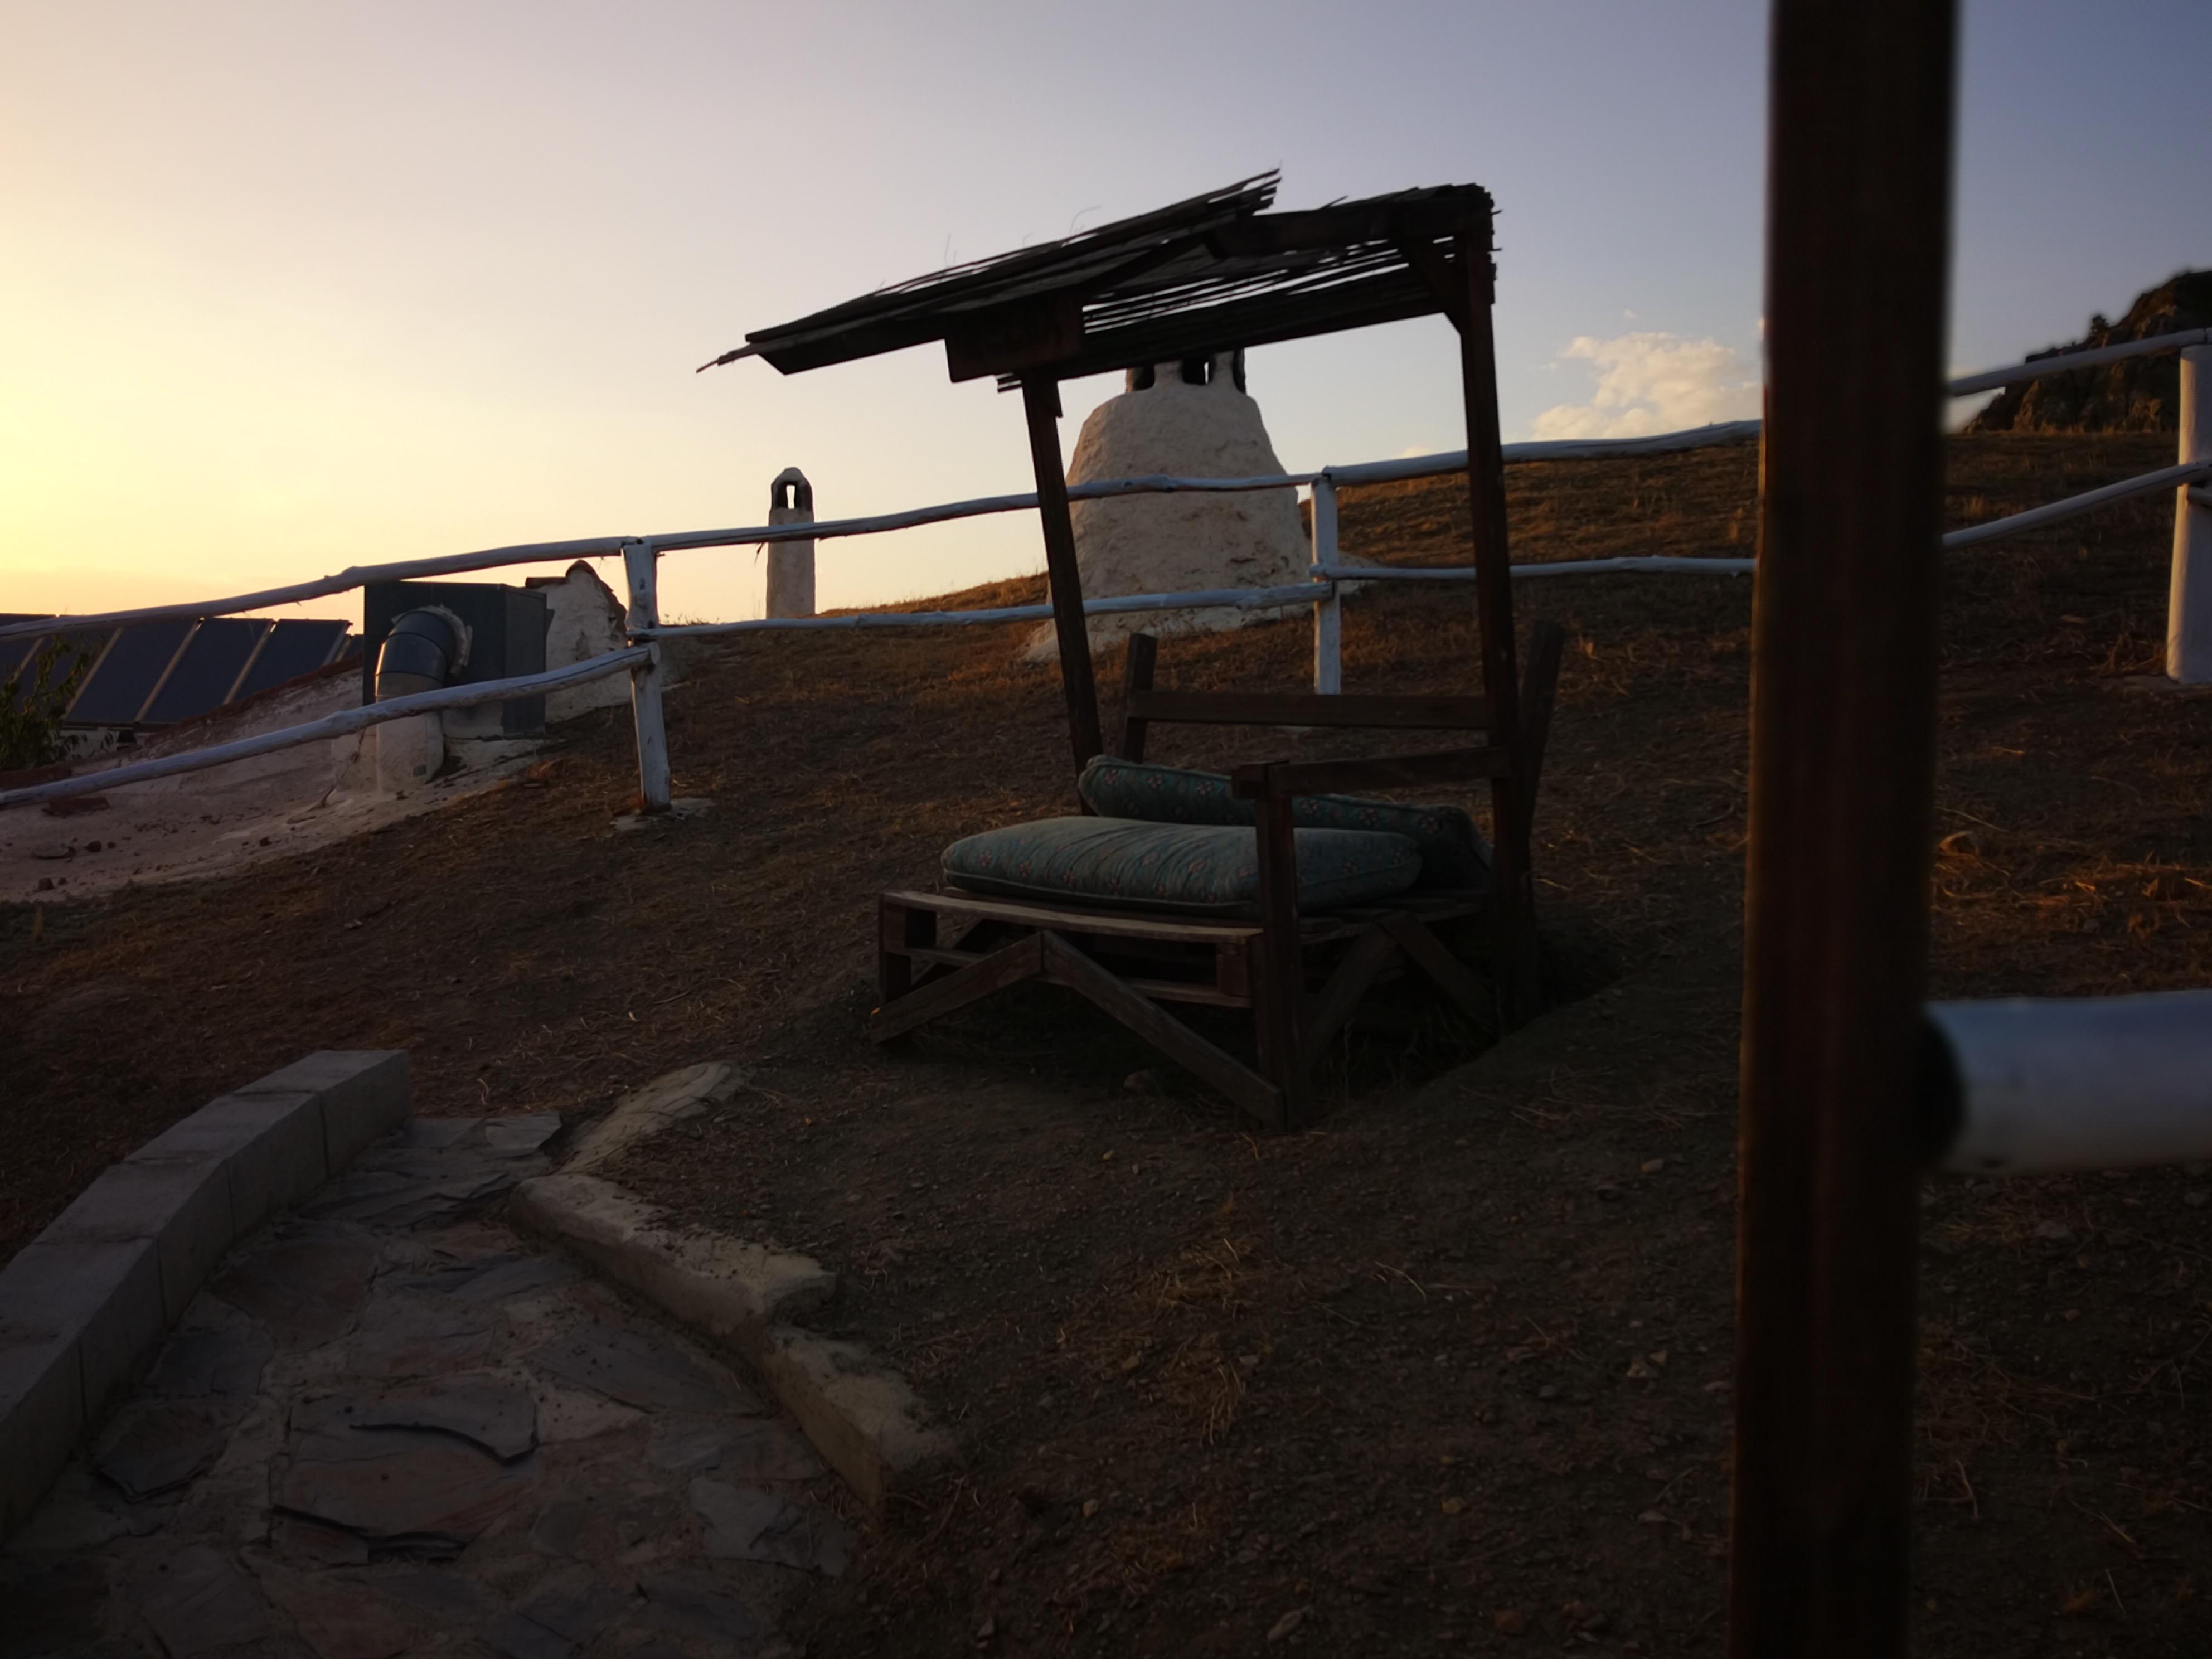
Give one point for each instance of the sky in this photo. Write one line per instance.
(290, 285)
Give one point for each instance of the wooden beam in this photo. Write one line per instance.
(1539, 683)
(900, 930)
(1465, 207)
(1066, 965)
(1023, 334)
(1281, 780)
(1438, 273)
(1312, 708)
(1041, 404)
(1136, 680)
(1205, 992)
(1069, 919)
(1004, 967)
(1363, 302)
(1844, 655)
(1477, 1000)
(1371, 953)
(1514, 892)
(1279, 972)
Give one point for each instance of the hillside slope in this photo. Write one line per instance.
(1447, 1370)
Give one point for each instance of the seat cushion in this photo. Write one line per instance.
(1453, 853)
(1191, 868)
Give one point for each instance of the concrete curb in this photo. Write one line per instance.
(83, 1304)
(644, 1113)
(864, 1420)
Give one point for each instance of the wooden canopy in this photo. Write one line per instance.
(1208, 275)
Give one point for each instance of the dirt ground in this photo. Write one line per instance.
(1447, 1372)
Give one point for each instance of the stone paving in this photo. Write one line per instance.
(390, 1425)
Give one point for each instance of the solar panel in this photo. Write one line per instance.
(208, 669)
(295, 647)
(128, 674)
(90, 643)
(17, 649)
(13, 652)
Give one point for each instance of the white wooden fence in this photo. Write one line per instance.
(2036, 1085)
(2189, 629)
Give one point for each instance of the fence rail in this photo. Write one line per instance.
(346, 721)
(1324, 593)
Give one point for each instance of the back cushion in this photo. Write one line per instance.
(1453, 853)
(1200, 869)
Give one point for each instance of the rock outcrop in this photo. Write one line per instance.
(2136, 394)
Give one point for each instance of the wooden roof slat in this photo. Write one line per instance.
(1211, 273)
(998, 278)
(1262, 321)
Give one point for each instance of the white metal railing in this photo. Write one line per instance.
(346, 721)
(2063, 363)
(2189, 643)
(2043, 1083)
(356, 576)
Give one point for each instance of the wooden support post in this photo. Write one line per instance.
(1514, 889)
(899, 928)
(1278, 977)
(1844, 654)
(1041, 404)
(1539, 686)
(2189, 596)
(1143, 652)
(1329, 610)
(640, 564)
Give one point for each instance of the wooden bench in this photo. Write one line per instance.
(1300, 975)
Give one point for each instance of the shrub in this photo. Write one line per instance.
(32, 704)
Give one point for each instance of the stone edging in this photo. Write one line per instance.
(83, 1304)
(863, 1419)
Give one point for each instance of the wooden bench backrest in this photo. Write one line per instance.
(1142, 706)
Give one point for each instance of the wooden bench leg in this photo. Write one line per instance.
(1066, 965)
(1006, 966)
(1279, 963)
(1450, 975)
(899, 925)
(1373, 952)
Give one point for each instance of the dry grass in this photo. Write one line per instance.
(1449, 1293)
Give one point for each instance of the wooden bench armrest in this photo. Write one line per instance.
(1282, 779)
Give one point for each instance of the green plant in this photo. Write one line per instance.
(31, 714)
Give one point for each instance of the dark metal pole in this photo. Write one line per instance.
(1513, 889)
(1041, 404)
(1836, 894)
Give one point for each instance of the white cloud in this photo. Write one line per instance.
(1653, 382)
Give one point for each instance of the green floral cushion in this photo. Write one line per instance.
(1452, 850)
(1201, 869)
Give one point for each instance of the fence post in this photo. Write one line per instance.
(1842, 753)
(2189, 596)
(1329, 608)
(640, 562)
(790, 564)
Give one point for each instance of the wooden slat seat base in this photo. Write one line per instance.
(1129, 963)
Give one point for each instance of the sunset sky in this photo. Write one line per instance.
(294, 285)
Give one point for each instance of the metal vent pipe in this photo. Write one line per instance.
(425, 649)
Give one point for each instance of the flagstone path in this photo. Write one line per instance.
(390, 1425)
